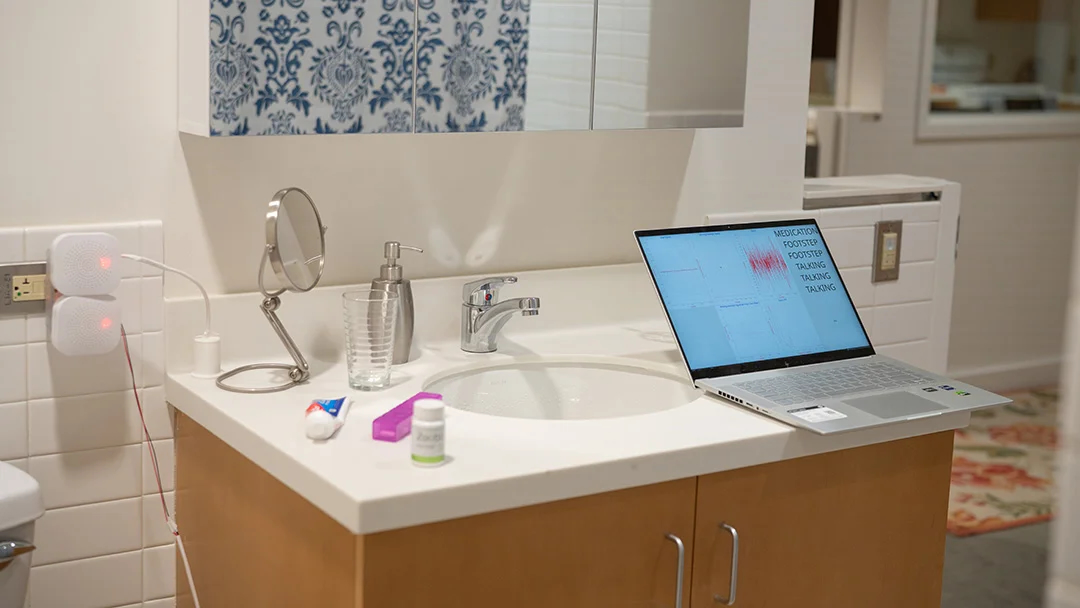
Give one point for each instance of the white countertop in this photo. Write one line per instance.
(500, 463)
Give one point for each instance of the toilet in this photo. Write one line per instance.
(20, 506)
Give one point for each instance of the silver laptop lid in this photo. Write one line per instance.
(743, 298)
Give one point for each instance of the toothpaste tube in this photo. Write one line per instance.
(325, 416)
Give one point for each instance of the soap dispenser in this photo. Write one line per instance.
(390, 280)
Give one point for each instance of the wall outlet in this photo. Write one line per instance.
(24, 288)
(887, 239)
(28, 288)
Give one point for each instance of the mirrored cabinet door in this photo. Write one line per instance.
(663, 64)
(299, 67)
(288, 67)
(472, 64)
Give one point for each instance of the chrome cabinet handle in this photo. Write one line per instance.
(11, 549)
(682, 563)
(730, 601)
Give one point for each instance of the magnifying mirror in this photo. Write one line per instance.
(296, 250)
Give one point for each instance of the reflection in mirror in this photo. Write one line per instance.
(299, 240)
(664, 64)
(560, 65)
(307, 66)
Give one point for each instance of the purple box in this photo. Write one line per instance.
(396, 424)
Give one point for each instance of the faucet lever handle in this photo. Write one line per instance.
(484, 292)
(11, 549)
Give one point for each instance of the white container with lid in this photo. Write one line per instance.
(20, 506)
(428, 433)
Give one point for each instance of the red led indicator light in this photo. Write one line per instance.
(106, 263)
(106, 323)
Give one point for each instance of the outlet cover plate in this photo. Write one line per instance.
(9, 307)
(882, 270)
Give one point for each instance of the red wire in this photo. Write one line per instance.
(146, 431)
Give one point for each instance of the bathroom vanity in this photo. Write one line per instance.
(693, 502)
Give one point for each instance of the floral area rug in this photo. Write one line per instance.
(1003, 466)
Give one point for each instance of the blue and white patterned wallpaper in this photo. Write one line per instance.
(286, 67)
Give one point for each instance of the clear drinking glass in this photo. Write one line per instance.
(370, 317)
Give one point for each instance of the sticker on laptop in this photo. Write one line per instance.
(817, 413)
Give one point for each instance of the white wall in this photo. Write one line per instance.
(88, 118)
(759, 166)
(501, 201)
(1019, 198)
(1063, 586)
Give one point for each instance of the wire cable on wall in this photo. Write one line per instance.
(156, 264)
(169, 521)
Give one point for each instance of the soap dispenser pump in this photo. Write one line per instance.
(391, 281)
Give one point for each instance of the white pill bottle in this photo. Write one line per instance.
(429, 433)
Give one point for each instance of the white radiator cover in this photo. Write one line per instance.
(909, 318)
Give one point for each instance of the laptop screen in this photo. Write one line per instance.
(750, 297)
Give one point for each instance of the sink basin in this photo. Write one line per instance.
(564, 389)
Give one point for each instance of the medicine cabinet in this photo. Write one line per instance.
(287, 67)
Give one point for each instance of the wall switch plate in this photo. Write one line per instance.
(887, 238)
(24, 289)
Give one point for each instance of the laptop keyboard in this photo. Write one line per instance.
(797, 387)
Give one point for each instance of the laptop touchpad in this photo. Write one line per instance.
(894, 405)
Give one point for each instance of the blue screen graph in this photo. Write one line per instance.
(744, 295)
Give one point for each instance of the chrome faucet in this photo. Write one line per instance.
(482, 315)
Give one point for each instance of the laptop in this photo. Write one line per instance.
(763, 319)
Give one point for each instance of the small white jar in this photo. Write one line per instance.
(428, 433)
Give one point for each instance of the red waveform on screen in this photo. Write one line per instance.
(766, 263)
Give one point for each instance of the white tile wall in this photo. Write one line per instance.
(13, 440)
(852, 247)
(902, 322)
(159, 572)
(898, 315)
(919, 242)
(99, 582)
(849, 217)
(12, 331)
(89, 422)
(155, 532)
(559, 70)
(88, 531)
(73, 425)
(622, 64)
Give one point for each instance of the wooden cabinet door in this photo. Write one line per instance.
(855, 528)
(607, 550)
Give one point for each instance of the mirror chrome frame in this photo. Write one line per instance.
(300, 371)
(274, 252)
